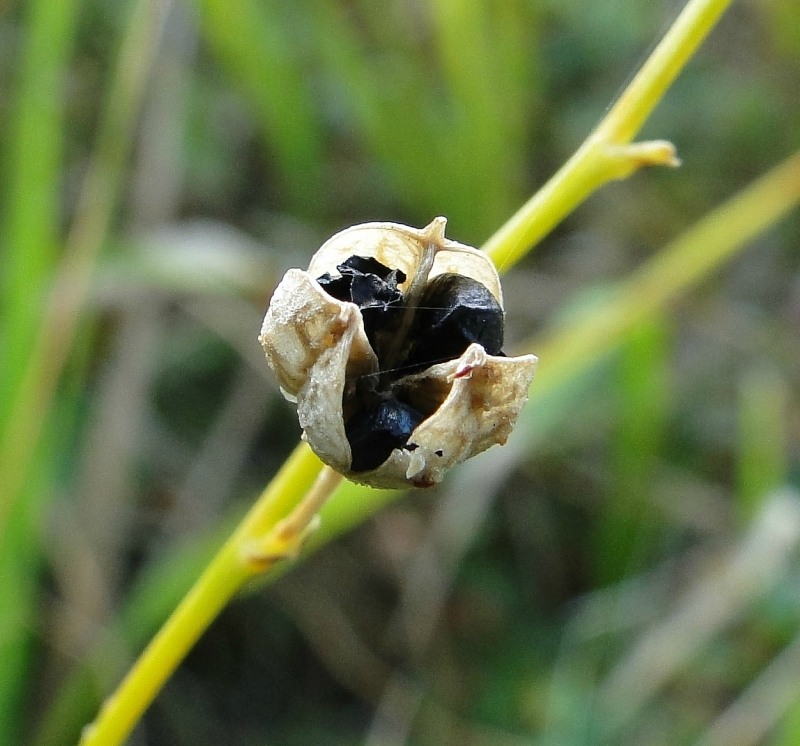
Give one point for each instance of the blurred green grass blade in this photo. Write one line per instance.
(485, 50)
(157, 590)
(461, 111)
(31, 219)
(783, 22)
(70, 710)
(53, 340)
(32, 208)
(789, 731)
(700, 251)
(26, 457)
(255, 47)
(461, 30)
(374, 93)
(20, 564)
(762, 459)
(624, 528)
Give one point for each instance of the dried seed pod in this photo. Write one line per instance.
(391, 345)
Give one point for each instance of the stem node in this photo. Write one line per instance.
(630, 157)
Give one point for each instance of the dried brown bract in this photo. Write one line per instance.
(390, 343)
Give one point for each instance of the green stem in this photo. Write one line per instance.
(261, 541)
(677, 266)
(607, 153)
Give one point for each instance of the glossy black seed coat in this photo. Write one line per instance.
(372, 286)
(455, 312)
(373, 433)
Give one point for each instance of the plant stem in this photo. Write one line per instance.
(260, 542)
(679, 264)
(607, 153)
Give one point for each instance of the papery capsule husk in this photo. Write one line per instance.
(319, 351)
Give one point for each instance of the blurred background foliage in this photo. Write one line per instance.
(625, 571)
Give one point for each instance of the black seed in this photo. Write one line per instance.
(373, 288)
(368, 265)
(361, 267)
(455, 312)
(375, 432)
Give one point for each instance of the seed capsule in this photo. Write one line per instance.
(391, 345)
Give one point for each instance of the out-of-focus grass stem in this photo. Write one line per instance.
(60, 320)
